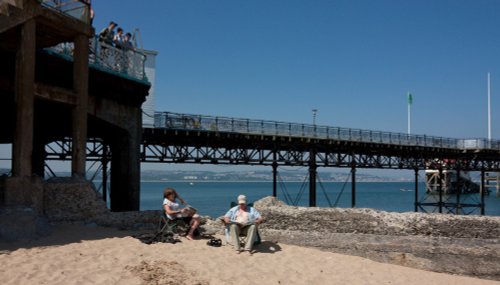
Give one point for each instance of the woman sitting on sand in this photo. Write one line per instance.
(174, 211)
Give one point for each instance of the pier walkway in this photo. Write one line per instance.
(188, 138)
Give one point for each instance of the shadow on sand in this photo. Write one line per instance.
(66, 234)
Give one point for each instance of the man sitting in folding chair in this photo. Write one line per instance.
(243, 219)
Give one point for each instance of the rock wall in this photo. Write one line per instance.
(369, 221)
(467, 245)
(68, 199)
(73, 200)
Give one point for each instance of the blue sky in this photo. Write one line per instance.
(354, 61)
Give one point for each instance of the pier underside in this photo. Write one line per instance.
(47, 97)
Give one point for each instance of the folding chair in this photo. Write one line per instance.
(167, 228)
(242, 236)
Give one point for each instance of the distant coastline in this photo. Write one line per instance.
(257, 181)
(158, 176)
(258, 176)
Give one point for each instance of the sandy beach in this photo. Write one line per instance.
(79, 254)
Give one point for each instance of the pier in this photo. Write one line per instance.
(68, 96)
(57, 82)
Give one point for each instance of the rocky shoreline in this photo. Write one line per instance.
(465, 245)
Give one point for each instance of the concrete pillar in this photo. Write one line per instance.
(80, 87)
(353, 185)
(458, 189)
(312, 178)
(22, 147)
(482, 191)
(416, 189)
(275, 175)
(125, 168)
(440, 189)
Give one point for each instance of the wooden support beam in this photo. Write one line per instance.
(55, 94)
(80, 86)
(22, 147)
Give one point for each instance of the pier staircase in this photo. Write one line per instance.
(448, 182)
(492, 182)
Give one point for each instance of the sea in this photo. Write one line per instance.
(213, 198)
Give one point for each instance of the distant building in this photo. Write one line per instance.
(190, 177)
(148, 111)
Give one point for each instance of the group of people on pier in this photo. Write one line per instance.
(118, 39)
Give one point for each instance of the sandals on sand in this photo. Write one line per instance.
(215, 242)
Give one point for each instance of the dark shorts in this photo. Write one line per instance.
(186, 220)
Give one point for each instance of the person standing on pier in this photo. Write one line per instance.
(107, 34)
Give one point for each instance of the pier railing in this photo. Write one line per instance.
(169, 120)
(79, 9)
(119, 59)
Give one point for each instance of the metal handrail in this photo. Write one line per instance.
(78, 9)
(118, 59)
(178, 121)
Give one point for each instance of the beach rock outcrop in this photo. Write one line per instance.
(467, 245)
(68, 199)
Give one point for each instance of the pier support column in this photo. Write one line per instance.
(23, 188)
(440, 190)
(22, 146)
(312, 178)
(104, 162)
(482, 191)
(125, 167)
(80, 86)
(458, 208)
(275, 174)
(416, 189)
(353, 185)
